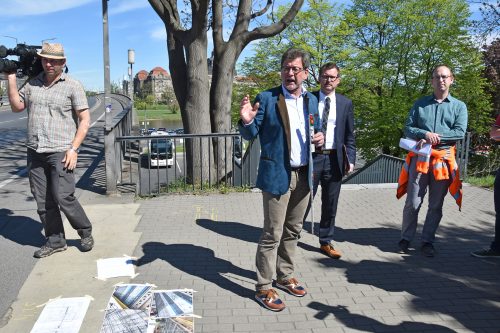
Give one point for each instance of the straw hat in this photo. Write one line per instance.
(52, 51)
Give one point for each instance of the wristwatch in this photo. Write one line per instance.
(76, 150)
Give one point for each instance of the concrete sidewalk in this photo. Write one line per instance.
(208, 243)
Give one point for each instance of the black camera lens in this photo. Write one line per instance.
(8, 66)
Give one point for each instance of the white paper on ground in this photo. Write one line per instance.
(62, 315)
(411, 145)
(114, 267)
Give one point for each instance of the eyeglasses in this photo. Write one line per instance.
(331, 78)
(295, 70)
(438, 77)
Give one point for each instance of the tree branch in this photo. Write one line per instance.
(275, 28)
(263, 10)
(168, 12)
(217, 24)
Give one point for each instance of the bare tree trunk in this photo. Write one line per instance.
(205, 111)
(220, 109)
(195, 115)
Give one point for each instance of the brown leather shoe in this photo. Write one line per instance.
(270, 300)
(330, 251)
(292, 286)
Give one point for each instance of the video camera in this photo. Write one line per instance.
(28, 63)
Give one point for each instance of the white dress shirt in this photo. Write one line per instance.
(297, 114)
(332, 118)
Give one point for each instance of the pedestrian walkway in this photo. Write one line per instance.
(208, 243)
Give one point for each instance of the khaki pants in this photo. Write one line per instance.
(283, 220)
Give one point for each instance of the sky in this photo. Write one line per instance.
(77, 24)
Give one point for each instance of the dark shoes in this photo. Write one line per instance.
(46, 251)
(428, 250)
(330, 251)
(486, 253)
(292, 286)
(403, 246)
(270, 300)
(87, 243)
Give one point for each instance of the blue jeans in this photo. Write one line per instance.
(54, 190)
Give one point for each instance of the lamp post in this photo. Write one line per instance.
(109, 134)
(131, 61)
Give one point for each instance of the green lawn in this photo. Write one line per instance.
(157, 115)
(481, 181)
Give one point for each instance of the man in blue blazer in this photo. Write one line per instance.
(280, 116)
(338, 154)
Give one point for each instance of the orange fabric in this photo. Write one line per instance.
(444, 166)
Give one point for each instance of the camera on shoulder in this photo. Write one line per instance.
(27, 63)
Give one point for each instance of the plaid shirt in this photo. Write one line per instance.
(52, 120)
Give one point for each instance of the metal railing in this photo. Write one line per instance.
(386, 168)
(116, 126)
(158, 164)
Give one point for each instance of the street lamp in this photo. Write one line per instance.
(131, 61)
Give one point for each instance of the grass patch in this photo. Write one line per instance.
(180, 186)
(159, 114)
(486, 181)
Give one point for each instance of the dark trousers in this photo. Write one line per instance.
(495, 245)
(326, 171)
(54, 190)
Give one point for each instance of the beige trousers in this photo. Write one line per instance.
(283, 219)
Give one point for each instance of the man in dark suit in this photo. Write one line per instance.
(338, 154)
(280, 116)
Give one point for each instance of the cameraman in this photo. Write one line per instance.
(58, 121)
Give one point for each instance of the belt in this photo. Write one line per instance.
(325, 151)
(300, 168)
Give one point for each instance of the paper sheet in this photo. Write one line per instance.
(411, 145)
(62, 315)
(114, 267)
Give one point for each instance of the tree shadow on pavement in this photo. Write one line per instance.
(234, 230)
(198, 261)
(367, 324)
(438, 285)
(20, 229)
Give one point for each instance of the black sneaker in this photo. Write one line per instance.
(403, 246)
(486, 253)
(87, 243)
(428, 250)
(46, 251)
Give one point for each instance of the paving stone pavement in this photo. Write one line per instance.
(208, 243)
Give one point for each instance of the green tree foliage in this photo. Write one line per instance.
(317, 29)
(387, 50)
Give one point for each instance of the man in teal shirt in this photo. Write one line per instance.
(440, 120)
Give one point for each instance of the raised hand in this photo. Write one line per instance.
(247, 112)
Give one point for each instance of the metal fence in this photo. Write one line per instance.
(386, 168)
(158, 164)
(116, 126)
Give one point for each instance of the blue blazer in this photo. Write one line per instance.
(345, 142)
(273, 127)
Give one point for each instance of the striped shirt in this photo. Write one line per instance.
(52, 120)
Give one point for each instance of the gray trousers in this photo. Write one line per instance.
(283, 220)
(53, 188)
(417, 188)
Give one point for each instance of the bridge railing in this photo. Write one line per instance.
(115, 126)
